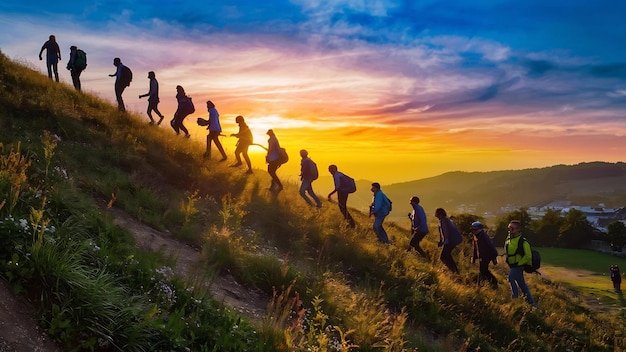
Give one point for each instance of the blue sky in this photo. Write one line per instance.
(539, 82)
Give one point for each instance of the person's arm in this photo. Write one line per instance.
(43, 47)
(378, 202)
(336, 183)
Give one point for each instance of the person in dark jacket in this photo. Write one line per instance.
(75, 70)
(53, 56)
(616, 278)
(183, 110)
(450, 237)
(308, 174)
(485, 251)
(153, 98)
(419, 227)
(122, 80)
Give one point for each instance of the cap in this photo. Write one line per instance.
(477, 224)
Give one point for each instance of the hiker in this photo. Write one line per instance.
(485, 251)
(153, 98)
(274, 161)
(53, 56)
(516, 261)
(123, 77)
(616, 277)
(380, 208)
(308, 174)
(245, 140)
(341, 188)
(185, 107)
(450, 237)
(419, 226)
(76, 65)
(214, 131)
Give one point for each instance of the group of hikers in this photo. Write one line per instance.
(517, 250)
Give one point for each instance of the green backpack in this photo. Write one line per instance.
(80, 61)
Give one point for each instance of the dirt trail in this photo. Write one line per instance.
(19, 331)
(190, 265)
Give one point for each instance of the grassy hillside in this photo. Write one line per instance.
(66, 156)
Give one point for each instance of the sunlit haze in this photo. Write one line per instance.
(389, 91)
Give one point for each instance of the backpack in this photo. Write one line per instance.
(283, 157)
(347, 184)
(312, 168)
(80, 61)
(190, 106)
(127, 76)
(535, 262)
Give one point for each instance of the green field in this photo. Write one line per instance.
(587, 272)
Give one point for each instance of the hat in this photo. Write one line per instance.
(477, 224)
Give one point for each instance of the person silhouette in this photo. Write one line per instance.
(53, 56)
(215, 129)
(153, 98)
(123, 77)
(308, 174)
(273, 159)
(342, 194)
(245, 140)
(183, 110)
(76, 65)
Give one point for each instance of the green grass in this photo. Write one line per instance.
(585, 271)
(583, 259)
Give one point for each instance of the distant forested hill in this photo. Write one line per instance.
(479, 192)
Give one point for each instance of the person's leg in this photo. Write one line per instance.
(182, 126)
(174, 123)
(149, 112)
(303, 187)
(486, 274)
(380, 230)
(342, 200)
(238, 152)
(521, 282)
(246, 157)
(318, 202)
(156, 109)
(218, 144)
(55, 68)
(415, 242)
(75, 81)
(271, 169)
(49, 67)
(446, 258)
(119, 89)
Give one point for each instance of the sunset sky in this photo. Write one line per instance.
(389, 91)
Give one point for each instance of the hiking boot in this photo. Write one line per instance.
(222, 159)
(187, 135)
(151, 122)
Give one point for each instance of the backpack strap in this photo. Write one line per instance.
(520, 246)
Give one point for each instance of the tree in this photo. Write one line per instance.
(547, 228)
(576, 231)
(616, 236)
